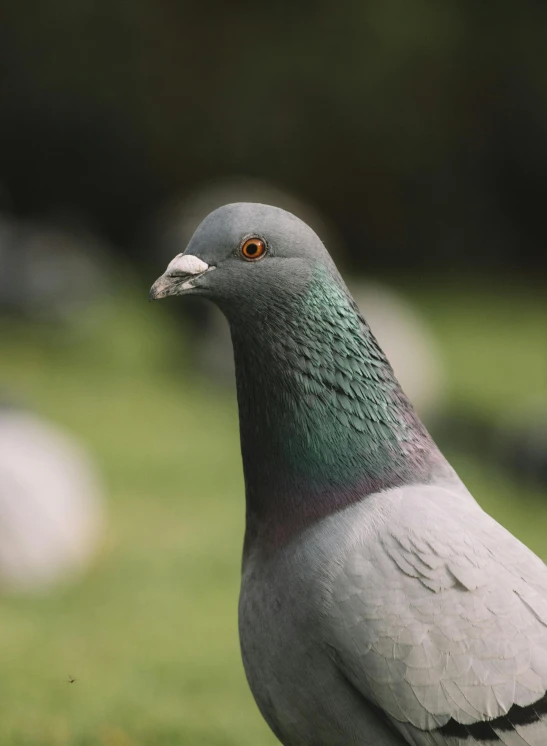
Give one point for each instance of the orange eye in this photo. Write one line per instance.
(253, 249)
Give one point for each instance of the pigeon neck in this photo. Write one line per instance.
(323, 421)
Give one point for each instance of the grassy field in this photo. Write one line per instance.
(151, 632)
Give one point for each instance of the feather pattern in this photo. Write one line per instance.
(440, 619)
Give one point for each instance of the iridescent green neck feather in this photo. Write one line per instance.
(323, 420)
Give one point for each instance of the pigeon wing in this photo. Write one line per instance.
(440, 619)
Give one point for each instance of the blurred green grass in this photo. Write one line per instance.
(151, 632)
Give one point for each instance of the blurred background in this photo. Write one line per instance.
(413, 137)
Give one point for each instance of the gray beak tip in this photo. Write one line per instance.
(160, 288)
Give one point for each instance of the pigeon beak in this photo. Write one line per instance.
(178, 277)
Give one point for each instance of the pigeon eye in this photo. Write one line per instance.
(253, 249)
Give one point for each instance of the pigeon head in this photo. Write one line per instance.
(323, 421)
(243, 256)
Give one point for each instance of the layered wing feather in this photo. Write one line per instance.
(439, 617)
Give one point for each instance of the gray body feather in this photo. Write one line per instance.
(386, 621)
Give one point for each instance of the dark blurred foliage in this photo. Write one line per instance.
(419, 129)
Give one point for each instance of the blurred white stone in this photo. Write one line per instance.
(407, 341)
(50, 505)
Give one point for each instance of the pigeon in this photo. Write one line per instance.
(379, 604)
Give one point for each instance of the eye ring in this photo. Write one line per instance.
(253, 248)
